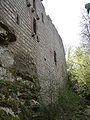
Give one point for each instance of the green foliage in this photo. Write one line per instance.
(70, 105)
(7, 116)
(79, 66)
(15, 99)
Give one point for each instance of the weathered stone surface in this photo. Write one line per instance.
(6, 58)
(6, 34)
(33, 59)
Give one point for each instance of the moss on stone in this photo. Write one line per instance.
(16, 95)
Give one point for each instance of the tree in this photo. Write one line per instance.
(85, 25)
(79, 66)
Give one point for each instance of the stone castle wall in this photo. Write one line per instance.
(33, 48)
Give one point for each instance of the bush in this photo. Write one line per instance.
(15, 98)
(70, 105)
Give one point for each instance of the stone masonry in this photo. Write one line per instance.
(30, 47)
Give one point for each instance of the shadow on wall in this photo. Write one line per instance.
(7, 34)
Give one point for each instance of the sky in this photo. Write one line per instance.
(66, 16)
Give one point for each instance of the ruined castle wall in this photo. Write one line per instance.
(34, 55)
(51, 74)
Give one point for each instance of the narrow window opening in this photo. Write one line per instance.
(34, 4)
(17, 19)
(55, 59)
(34, 25)
(45, 59)
(42, 17)
(62, 71)
(38, 39)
